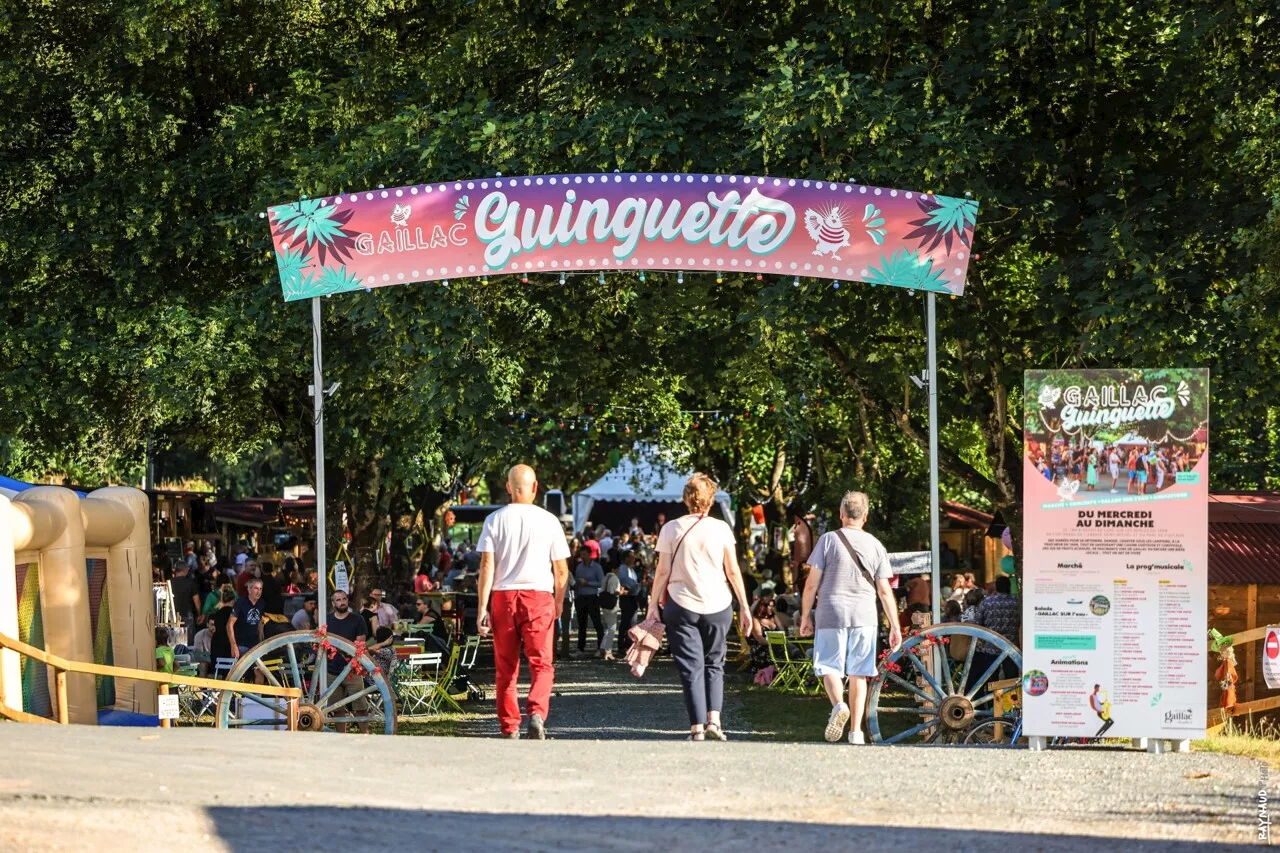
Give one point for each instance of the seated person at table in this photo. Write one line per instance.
(164, 651)
(304, 619)
(201, 646)
(422, 581)
(370, 614)
(426, 616)
(763, 617)
(383, 652)
(786, 609)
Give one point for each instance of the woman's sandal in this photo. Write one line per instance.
(696, 736)
(716, 733)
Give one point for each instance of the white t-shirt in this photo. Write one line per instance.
(523, 539)
(698, 582)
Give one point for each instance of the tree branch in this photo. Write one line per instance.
(948, 459)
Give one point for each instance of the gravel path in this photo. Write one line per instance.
(599, 700)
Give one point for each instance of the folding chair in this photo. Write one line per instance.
(808, 681)
(470, 651)
(195, 706)
(739, 649)
(416, 684)
(788, 673)
(443, 692)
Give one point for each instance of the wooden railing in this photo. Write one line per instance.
(1219, 717)
(62, 666)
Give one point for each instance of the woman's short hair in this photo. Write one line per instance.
(228, 594)
(973, 597)
(699, 493)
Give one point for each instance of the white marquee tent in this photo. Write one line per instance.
(643, 477)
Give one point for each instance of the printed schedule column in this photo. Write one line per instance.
(1115, 532)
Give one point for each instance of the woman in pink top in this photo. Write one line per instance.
(697, 581)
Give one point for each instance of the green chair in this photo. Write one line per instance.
(416, 685)
(789, 676)
(443, 692)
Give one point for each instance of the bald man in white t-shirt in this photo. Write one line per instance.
(524, 564)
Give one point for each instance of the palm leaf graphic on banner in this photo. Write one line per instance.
(293, 263)
(320, 226)
(906, 268)
(336, 280)
(946, 219)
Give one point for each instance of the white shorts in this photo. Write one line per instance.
(844, 651)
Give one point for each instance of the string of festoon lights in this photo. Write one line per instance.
(630, 420)
(643, 275)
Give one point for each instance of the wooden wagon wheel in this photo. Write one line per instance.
(944, 701)
(290, 660)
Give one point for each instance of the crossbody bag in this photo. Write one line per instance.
(857, 561)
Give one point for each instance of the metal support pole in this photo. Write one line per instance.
(931, 305)
(322, 600)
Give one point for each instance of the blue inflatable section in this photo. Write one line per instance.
(108, 717)
(19, 486)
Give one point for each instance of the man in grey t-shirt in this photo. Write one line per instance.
(845, 623)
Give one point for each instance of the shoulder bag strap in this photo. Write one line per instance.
(681, 541)
(667, 592)
(857, 561)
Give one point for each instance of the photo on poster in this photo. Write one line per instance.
(1102, 438)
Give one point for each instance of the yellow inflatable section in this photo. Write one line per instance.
(46, 535)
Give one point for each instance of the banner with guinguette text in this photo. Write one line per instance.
(569, 224)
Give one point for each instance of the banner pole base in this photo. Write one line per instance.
(1037, 743)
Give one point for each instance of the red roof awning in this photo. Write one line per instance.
(965, 516)
(1244, 538)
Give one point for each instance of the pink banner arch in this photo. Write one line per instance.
(569, 224)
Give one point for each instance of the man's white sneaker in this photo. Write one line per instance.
(836, 722)
(856, 737)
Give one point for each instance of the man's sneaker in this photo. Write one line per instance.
(511, 735)
(835, 723)
(537, 729)
(856, 737)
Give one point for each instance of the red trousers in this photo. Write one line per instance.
(528, 616)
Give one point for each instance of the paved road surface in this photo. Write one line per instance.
(131, 790)
(189, 789)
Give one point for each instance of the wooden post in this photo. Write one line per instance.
(1251, 649)
(164, 722)
(293, 715)
(64, 713)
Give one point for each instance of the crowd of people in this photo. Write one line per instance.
(686, 576)
(1137, 469)
(227, 605)
(526, 581)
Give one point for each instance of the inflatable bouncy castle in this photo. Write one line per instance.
(75, 581)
